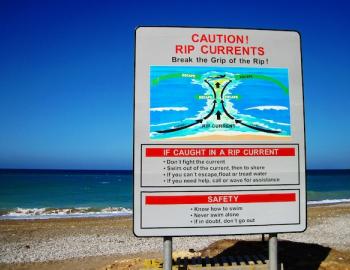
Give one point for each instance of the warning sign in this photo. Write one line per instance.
(217, 209)
(218, 133)
(219, 165)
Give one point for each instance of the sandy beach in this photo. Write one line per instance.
(93, 243)
(230, 138)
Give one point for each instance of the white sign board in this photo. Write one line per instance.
(218, 132)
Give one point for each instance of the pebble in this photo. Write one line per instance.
(332, 232)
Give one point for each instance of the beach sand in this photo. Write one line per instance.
(230, 138)
(94, 243)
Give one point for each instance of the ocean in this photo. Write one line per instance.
(44, 194)
(32, 194)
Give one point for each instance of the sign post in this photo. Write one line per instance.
(218, 132)
(273, 247)
(168, 250)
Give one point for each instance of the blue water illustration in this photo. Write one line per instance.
(201, 101)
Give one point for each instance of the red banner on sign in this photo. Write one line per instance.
(220, 198)
(220, 152)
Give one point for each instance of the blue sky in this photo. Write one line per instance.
(64, 105)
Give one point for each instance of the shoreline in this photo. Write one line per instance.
(230, 137)
(100, 215)
(74, 243)
(313, 204)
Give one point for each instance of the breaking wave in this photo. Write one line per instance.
(46, 213)
(268, 107)
(162, 109)
(165, 124)
(328, 201)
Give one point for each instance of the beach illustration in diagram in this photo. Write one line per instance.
(219, 103)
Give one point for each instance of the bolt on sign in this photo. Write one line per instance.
(218, 132)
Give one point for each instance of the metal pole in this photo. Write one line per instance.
(273, 259)
(168, 252)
